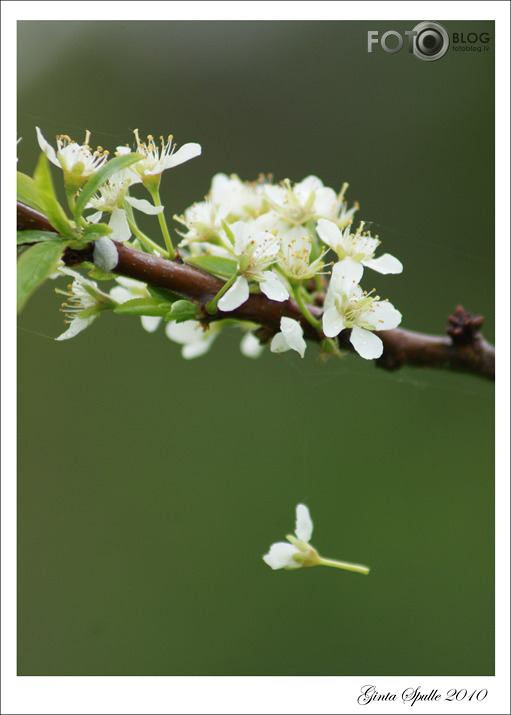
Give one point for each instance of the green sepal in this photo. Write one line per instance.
(36, 236)
(47, 199)
(34, 266)
(182, 310)
(225, 267)
(143, 306)
(100, 177)
(26, 191)
(164, 295)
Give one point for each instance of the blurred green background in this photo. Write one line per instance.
(150, 487)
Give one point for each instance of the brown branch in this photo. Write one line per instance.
(463, 349)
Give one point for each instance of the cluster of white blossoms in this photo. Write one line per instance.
(291, 242)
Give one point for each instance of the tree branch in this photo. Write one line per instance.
(462, 349)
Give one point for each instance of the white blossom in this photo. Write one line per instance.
(358, 246)
(255, 252)
(157, 159)
(75, 159)
(83, 305)
(290, 337)
(347, 306)
(195, 338)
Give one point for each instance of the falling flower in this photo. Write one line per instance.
(348, 306)
(299, 552)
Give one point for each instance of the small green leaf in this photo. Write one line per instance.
(225, 267)
(47, 199)
(37, 236)
(182, 310)
(99, 178)
(26, 190)
(97, 274)
(143, 306)
(164, 295)
(34, 266)
(95, 230)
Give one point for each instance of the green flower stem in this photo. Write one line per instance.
(358, 568)
(148, 243)
(155, 195)
(305, 311)
(211, 306)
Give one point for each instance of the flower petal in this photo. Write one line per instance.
(329, 232)
(304, 525)
(333, 322)
(367, 344)
(280, 556)
(48, 150)
(119, 224)
(384, 316)
(293, 333)
(385, 264)
(76, 326)
(273, 287)
(186, 152)
(236, 295)
(348, 271)
(250, 346)
(150, 322)
(144, 205)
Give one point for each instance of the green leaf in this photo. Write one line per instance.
(26, 190)
(37, 236)
(99, 178)
(47, 199)
(164, 295)
(225, 267)
(182, 310)
(143, 306)
(97, 274)
(34, 266)
(95, 230)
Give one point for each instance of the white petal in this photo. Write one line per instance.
(250, 346)
(186, 152)
(94, 218)
(236, 295)
(144, 205)
(280, 556)
(279, 344)
(348, 271)
(385, 264)
(293, 333)
(304, 523)
(329, 232)
(120, 294)
(273, 287)
(105, 254)
(196, 349)
(189, 331)
(119, 224)
(333, 322)
(48, 150)
(150, 322)
(384, 316)
(76, 326)
(367, 344)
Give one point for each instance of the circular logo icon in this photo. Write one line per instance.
(430, 42)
